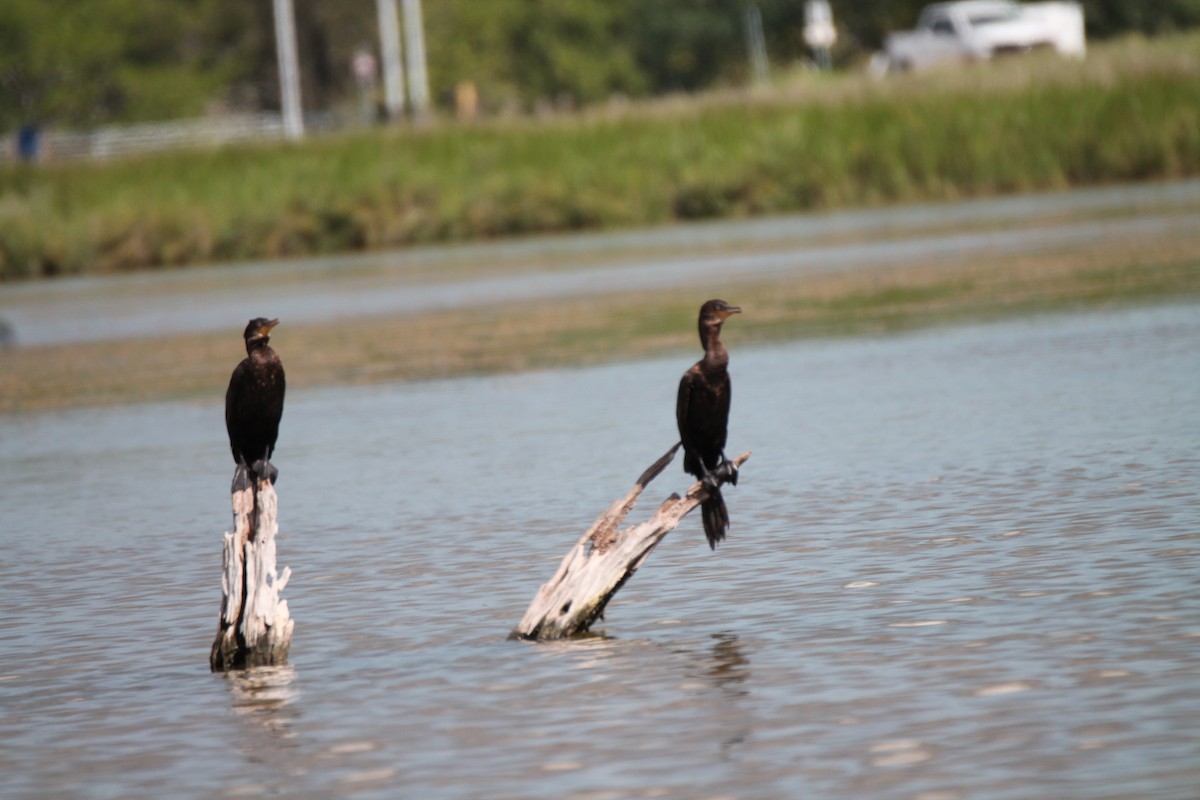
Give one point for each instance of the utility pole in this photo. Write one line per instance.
(289, 69)
(756, 45)
(414, 40)
(393, 70)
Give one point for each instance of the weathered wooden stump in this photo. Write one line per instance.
(604, 558)
(255, 628)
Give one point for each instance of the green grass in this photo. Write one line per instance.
(1130, 112)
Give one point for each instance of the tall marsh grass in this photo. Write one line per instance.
(1130, 112)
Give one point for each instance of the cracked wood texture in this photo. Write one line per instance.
(604, 558)
(255, 628)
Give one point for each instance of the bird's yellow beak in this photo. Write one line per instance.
(265, 330)
(729, 312)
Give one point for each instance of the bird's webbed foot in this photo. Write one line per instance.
(265, 470)
(241, 479)
(711, 480)
(727, 472)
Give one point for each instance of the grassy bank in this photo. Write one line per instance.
(1131, 112)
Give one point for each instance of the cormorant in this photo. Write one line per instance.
(702, 412)
(254, 403)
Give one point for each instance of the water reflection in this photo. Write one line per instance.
(729, 671)
(729, 668)
(264, 695)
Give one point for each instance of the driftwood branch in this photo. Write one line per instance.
(604, 558)
(255, 628)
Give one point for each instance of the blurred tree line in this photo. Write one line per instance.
(73, 63)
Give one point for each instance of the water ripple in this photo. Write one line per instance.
(963, 566)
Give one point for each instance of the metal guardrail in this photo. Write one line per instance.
(117, 140)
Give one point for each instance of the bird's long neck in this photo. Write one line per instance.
(716, 357)
(257, 344)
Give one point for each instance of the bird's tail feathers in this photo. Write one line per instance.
(716, 518)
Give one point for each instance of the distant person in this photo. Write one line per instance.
(28, 143)
(365, 70)
(466, 100)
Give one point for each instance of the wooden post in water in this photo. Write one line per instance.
(255, 628)
(604, 558)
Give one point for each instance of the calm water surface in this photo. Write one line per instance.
(963, 564)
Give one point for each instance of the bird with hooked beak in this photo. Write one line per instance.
(254, 405)
(702, 413)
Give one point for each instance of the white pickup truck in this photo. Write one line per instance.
(976, 30)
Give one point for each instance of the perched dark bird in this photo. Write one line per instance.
(702, 411)
(254, 403)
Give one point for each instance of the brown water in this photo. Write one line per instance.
(963, 564)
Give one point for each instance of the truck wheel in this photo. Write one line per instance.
(879, 65)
